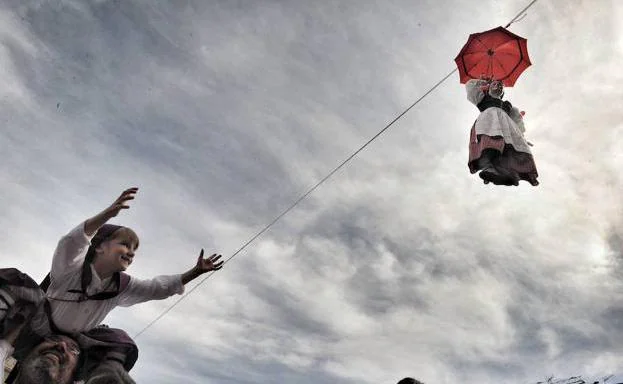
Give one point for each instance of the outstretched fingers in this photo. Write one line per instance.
(214, 259)
(128, 194)
(212, 263)
(125, 196)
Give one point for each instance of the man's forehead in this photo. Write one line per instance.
(65, 339)
(70, 340)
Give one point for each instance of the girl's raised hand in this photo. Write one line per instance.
(212, 263)
(121, 202)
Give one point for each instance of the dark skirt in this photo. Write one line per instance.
(509, 159)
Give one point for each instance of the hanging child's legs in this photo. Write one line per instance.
(486, 158)
(520, 164)
(491, 171)
(484, 152)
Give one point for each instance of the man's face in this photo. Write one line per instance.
(53, 361)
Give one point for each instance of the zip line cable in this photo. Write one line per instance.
(518, 17)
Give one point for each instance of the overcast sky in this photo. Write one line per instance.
(402, 264)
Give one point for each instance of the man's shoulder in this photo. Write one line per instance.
(13, 276)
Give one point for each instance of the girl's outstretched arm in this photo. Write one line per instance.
(161, 287)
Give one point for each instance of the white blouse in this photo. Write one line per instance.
(68, 313)
(495, 121)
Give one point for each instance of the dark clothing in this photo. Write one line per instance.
(28, 304)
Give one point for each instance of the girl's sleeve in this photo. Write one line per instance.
(158, 288)
(474, 93)
(70, 252)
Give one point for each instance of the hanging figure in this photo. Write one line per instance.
(497, 147)
(488, 62)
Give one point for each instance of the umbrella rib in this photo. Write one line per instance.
(501, 65)
(477, 39)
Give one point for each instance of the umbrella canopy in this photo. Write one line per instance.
(497, 54)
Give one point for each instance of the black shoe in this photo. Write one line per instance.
(492, 175)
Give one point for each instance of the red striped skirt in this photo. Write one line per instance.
(509, 159)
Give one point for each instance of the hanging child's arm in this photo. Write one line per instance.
(517, 116)
(71, 248)
(161, 287)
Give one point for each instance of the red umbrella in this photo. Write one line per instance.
(497, 54)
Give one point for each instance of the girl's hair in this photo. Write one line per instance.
(127, 234)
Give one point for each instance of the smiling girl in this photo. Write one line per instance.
(87, 278)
